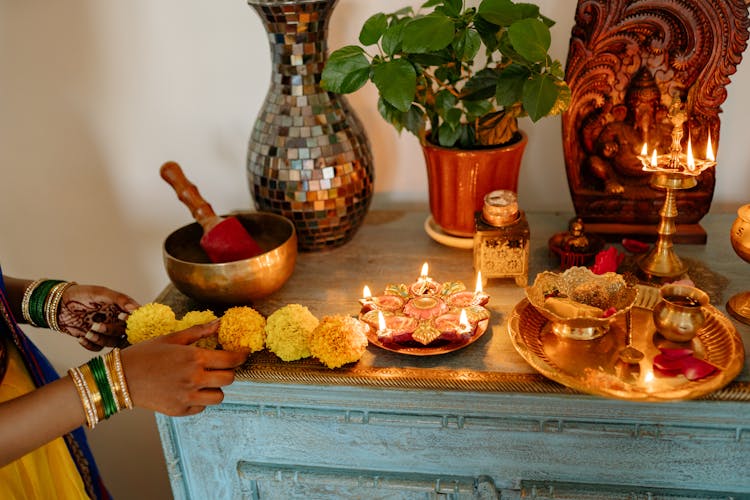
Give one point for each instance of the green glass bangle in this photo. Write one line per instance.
(37, 301)
(100, 377)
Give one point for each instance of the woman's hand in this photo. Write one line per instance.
(168, 375)
(95, 315)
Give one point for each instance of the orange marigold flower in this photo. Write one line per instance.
(242, 328)
(193, 318)
(338, 340)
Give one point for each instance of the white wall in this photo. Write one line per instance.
(95, 95)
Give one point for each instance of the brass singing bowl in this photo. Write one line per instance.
(239, 282)
(739, 304)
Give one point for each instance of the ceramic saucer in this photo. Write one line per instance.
(437, 234)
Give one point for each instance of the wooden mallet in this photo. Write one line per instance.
(224, 239)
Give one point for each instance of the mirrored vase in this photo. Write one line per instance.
(308, 156)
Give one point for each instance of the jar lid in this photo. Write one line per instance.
(500, 207)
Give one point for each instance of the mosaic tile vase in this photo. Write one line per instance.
(308, 157)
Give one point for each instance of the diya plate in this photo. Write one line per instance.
(580, 304)
(426, 317)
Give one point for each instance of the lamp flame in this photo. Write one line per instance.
(710, 149)
(366, 292)
(381, 321)
(644, 150)
(690, 158)
(425, 268)
(654, 161)
(478, 287)
(463, 322)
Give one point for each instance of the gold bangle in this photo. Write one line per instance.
(83, 394)
(122, 383)
(93, 391)
(25, 301)
(52, 305)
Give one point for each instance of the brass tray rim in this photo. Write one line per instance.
(646, 301)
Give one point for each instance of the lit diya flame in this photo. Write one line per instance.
(383, 330)
(424, 284)
(467, 299)
(690, 158)
(464, 326)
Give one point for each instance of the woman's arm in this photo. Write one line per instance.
(165, 374)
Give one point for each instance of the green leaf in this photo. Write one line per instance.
(397, 82)
(447, 135)
(392, 37)
(488, 32)
(347, 70)
(430, 33)
(480, 86)
(452, 8)
(499, 12)
(475, 109)
(373, 29)
(539, 96)
(510, 84)
(431, 3)
(467, 44)
(453, 117)
(391, 114)
(530, 38)
(414, 120)
(444, 101)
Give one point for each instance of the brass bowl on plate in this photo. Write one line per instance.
(583, 287)
(237, 282)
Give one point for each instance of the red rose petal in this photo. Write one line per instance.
(677, 353)
(667, 373)
(696, 369)
(609, 312)
(635, 246)
(665, 363)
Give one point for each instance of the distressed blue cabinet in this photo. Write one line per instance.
(476, 423)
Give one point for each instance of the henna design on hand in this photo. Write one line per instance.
(76, 318)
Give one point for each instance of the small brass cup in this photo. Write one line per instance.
(679, 314)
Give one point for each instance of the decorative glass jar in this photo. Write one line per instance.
(501, 240)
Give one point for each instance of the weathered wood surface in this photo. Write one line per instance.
(306, 437)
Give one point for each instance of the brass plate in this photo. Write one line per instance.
(430, 349)
(593, 366)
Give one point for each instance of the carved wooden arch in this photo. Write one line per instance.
(684, 47)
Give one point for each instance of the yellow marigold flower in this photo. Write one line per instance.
(193, 318)
(149, 321)
(288, 332)
(338, 340)
(242, 329)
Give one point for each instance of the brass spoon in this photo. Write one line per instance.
(630, 354)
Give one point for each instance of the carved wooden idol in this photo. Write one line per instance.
(627, 61)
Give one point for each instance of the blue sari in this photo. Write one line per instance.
(42, 372)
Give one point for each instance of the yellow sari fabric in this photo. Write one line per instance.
(47, 472)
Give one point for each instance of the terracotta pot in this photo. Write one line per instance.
(458, 180)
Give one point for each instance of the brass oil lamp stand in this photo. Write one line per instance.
(672, 172)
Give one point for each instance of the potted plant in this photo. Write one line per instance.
(458, 78)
